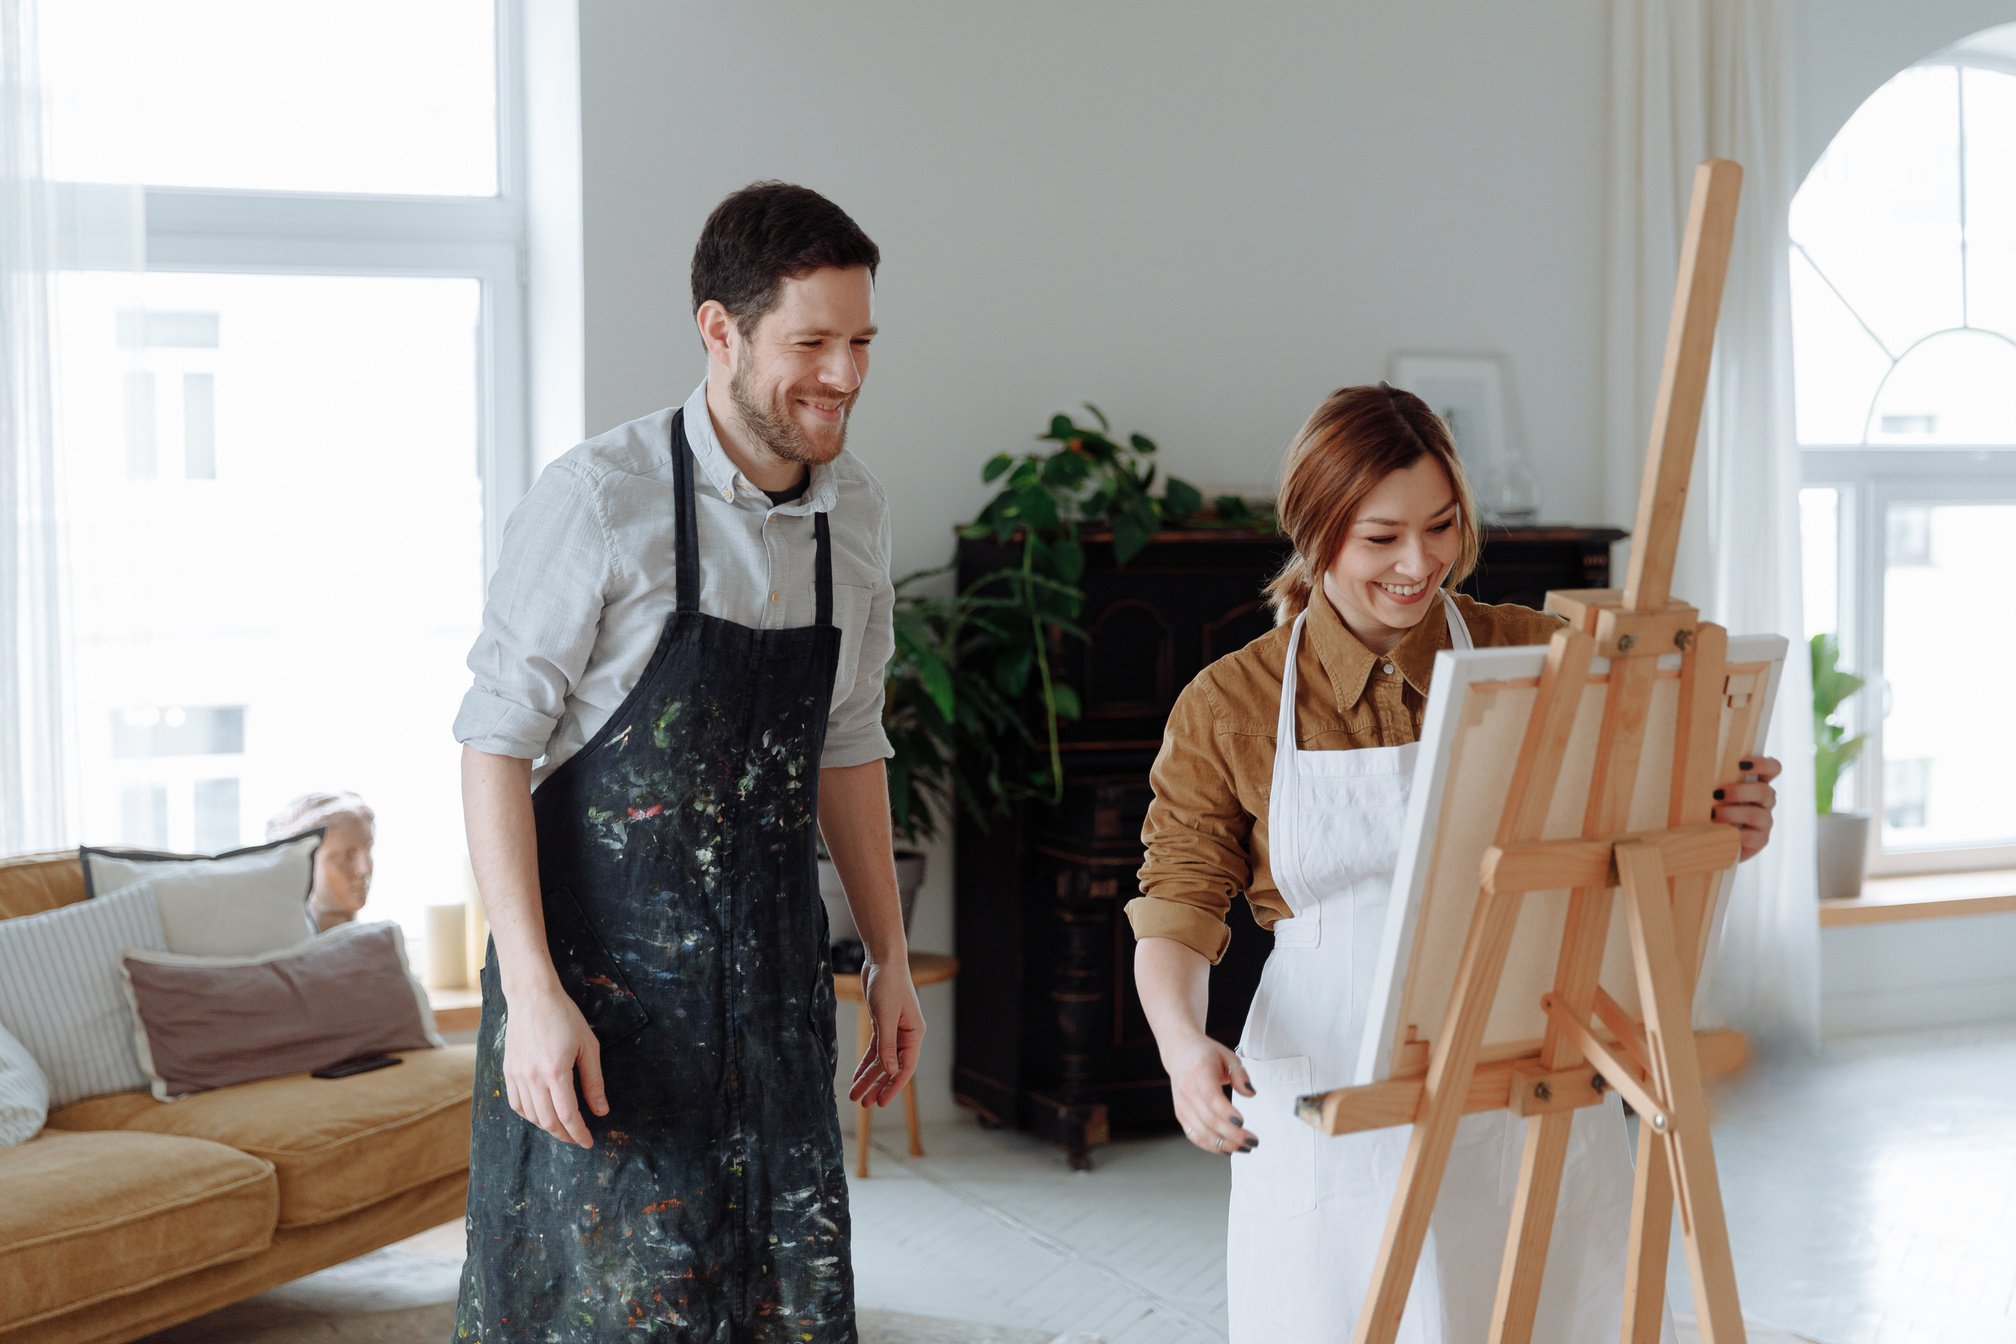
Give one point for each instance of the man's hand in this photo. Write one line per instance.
(897, 1039)
(1200, 1070)
(1747, 803)
(545, 1040)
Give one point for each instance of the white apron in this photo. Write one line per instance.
(1308, 1213)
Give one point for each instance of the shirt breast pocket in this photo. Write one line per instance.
(852, 603)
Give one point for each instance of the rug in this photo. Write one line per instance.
(405, 1294)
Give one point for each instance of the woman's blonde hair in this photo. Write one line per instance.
(1355, 439)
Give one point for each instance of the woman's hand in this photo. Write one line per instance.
(545, 1040)
(1746, 804)
(1200, 1070)
(897, 1036)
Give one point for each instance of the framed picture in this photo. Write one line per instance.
(1468, 392)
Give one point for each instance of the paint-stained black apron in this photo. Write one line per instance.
(678, 872)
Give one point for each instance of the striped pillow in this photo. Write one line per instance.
(62, 994)
(24, 1093)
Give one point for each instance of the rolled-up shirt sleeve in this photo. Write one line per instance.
(1196, 836)
(854, 733)
(540, 617)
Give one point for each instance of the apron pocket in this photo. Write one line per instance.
(587, 971)
(1279, 1174)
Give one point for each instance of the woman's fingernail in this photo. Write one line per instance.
(1237, 1121)
(1249, 1145)
(1718, 795)
(1746, 765)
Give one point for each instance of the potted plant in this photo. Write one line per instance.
(1843, 837)
(971, 707)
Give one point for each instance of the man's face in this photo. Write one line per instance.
(795, 378)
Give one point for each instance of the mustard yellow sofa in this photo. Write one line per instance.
(127, 1215)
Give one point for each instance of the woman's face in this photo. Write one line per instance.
(1386, 576)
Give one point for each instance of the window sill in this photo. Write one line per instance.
(455, 1009)
(1886, 900)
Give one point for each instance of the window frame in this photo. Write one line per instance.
(242, 232)
(232, 231)
(1869, 481)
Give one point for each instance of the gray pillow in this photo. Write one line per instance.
(210, 1022)
(237, 904)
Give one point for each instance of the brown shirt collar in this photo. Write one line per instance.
(1349, 664)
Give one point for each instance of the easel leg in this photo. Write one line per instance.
(1676, 1069)
(1449, 1070)
(1532, 1228)
(1651, 1235)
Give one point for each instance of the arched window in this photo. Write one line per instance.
(1903, 274)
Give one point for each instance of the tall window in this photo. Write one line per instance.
(1904, 324)
(288, 434)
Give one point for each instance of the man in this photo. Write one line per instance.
(688, 622)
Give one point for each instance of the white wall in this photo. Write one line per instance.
(1202, 217)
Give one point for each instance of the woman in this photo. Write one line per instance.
(1376, 504)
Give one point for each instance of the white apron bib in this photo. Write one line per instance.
(1308, 1212)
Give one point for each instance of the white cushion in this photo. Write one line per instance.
(238, 904)
(24, 1093)
(62, 994)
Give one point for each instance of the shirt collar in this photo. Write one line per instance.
(821, 492)
(1349, 664)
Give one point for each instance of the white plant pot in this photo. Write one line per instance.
(1843, 842)
(840, 920)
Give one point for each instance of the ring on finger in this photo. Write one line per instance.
(1219, 1143)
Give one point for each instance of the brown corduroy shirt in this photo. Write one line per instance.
(1206, 833)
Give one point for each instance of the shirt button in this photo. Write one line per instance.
(773, 594)
(1389, 669)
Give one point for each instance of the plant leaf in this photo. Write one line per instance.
(1180, 499)
(996, 464)
(1129, 537)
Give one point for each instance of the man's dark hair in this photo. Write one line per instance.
(765, 234)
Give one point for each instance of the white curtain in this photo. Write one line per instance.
(35, 789)
(1693, 79)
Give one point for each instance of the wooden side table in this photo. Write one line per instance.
(926, 968)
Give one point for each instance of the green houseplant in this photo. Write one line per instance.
(971, 707)
(1043, 502)
(1842, 837)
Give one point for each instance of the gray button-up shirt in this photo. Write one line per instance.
(585, 581)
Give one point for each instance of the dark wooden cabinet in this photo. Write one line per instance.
(1049, 1034)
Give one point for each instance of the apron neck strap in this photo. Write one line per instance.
(824, 582)
(687, 572)
(1459, 631)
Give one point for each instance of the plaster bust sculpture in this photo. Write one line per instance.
(343, 860)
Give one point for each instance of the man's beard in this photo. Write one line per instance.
(777, 430)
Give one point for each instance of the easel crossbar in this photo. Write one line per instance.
(1493, 1087)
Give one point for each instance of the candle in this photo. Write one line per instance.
(447, 947)
(477, 927)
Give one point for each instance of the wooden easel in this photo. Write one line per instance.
(1668, 881)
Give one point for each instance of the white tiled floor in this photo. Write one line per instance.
(1872, 1193)
(1871, 1198)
